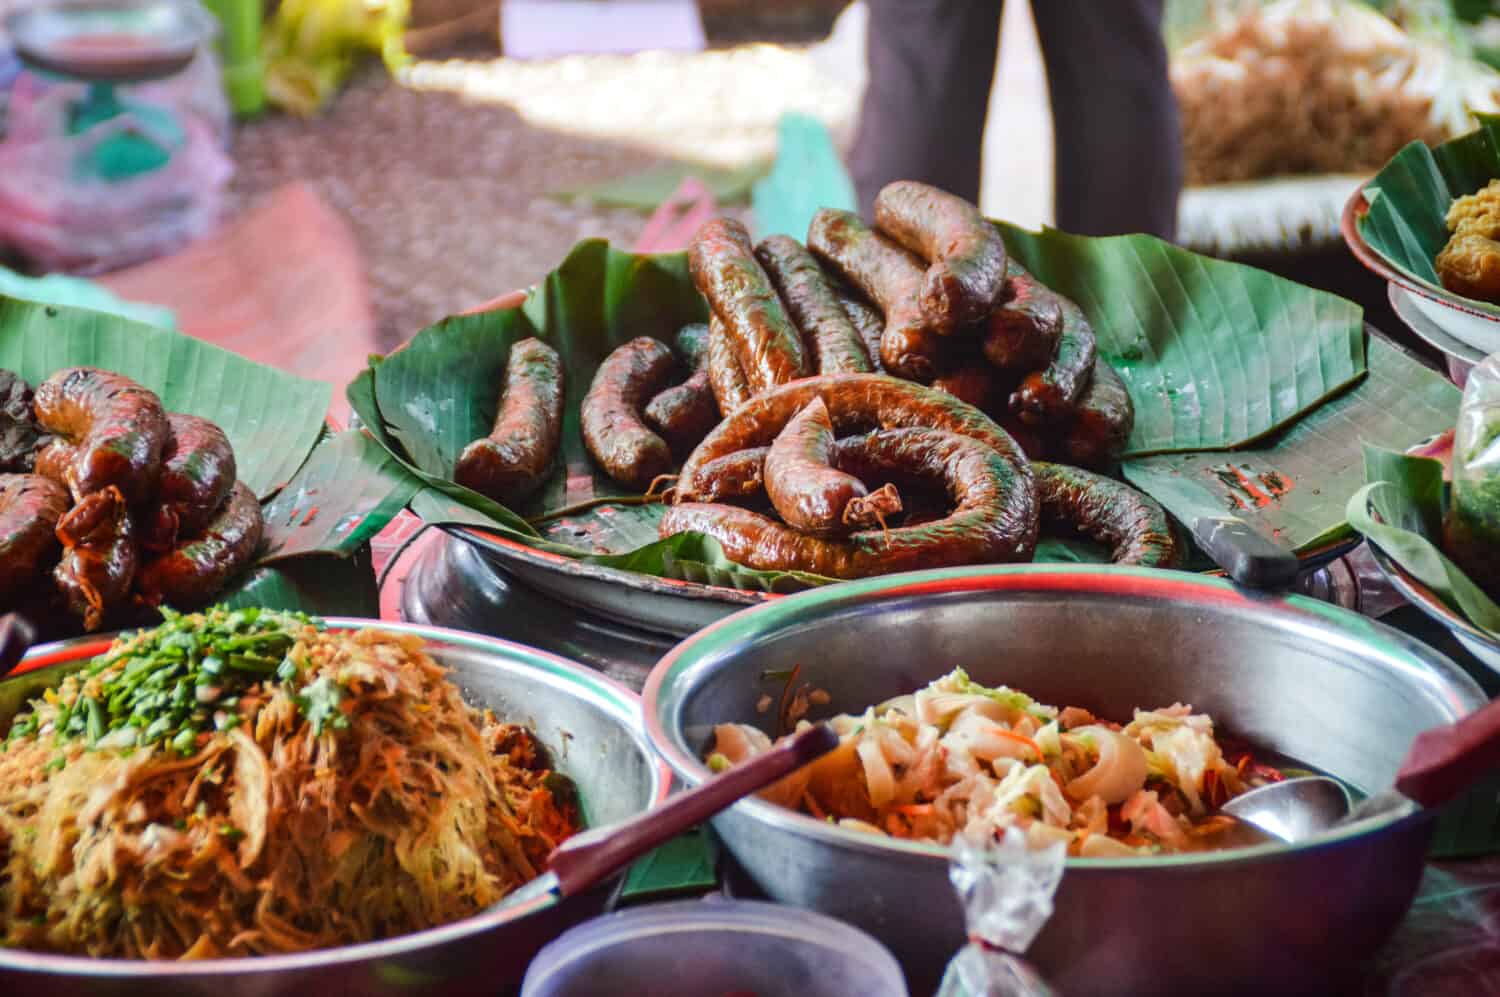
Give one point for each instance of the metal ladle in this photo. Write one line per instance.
(1441, 763)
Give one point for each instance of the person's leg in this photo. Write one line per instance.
(1118, 146)
(931, 64)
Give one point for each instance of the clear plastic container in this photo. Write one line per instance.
(714, 948)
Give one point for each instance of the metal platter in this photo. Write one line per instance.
(660, 605)
(453, 585)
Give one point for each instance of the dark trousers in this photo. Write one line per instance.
(1118, 147)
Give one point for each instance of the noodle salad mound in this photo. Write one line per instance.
(957, 757)
(244, 782)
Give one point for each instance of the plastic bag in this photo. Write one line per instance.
(1471, 532)
(135, 184)
(1006, 889)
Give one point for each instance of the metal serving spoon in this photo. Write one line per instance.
(1442, 763)
(589, 858)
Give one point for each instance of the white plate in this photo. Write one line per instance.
(1476, 329)
(1460, 357)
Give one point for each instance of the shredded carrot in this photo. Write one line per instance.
(1021, 739)
(914, 809)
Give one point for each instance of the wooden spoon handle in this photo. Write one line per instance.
(586, 859)
(1445, 761)
(16, 636)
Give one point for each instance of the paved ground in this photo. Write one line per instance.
(445, 178)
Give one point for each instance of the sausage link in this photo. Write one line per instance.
(982, 528)
(691, 345)
(1101, 425)
(116, 428)
(834, 344)
(737, 475)
(1134, 527)
(808, 492)
(515, 458)
(726, 273)
(1049, 396)
(887, 275)
(683, 414)
(856, 403)
(30, 506)
(1022, 334)
(724, 374)
(965, 254)
(972, 383)
(196, 571)
(100, 556)
(868, 322)
(196, 474)
(613, 431)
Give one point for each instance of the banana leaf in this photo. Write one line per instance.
(272, 418)
(1409, 199)
(1266, 350)
(1293, 486)
(323, 495)
(1400, 508)
(1216, 355)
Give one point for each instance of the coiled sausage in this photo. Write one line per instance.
(30, 506)
(198, 470)
(809, 492)
(198, 569)
(982, 528)
(100, 556)
(114, 432)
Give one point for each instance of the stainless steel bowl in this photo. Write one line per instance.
(1319, 684)
(592, 727)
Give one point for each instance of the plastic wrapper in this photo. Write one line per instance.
(1006, 888)
(129, 187)
(1471, 533)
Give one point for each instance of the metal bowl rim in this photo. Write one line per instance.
(600, 690)
(1305, 613)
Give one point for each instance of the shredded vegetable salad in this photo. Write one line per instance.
(957, 756)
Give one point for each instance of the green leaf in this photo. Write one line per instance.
(1409, 199)
(272, 418)
(323, 584)
(694, 557)
(347, 492)
(1401, 509)
(1293, 486)
(1216, 355)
